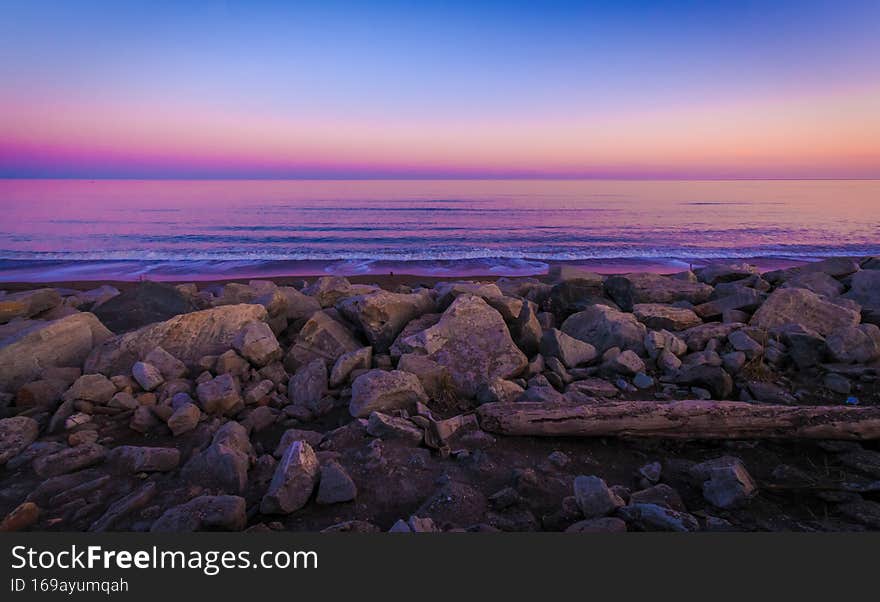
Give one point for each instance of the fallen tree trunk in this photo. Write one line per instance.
(681, 420)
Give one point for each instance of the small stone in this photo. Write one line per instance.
(219, 395)
(293, 482)
(184, 419)
(147, 375)
(594, 498)
(257, 343)
(643, 381)
(22, 517)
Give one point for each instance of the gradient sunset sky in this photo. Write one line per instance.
(667, 89)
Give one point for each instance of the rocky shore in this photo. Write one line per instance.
(721, 399)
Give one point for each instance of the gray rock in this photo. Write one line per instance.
(95, 388)
(169, 366)
(69, 460)
(16, 434)
(257, 343)
(570, 351)
(625, 362)
(594, 498)
(727, 483)
(652, 517)
(146, 375)
(220, 395)
(336, 485)
(499, 389)
(604, 524)
(224, 464)
(854, 344)
(207, 512)
(133, 459)
(309, 385)
(391, 427)
(629, 289)
(360, 359)
(382, 315)
(604, 328)
(294, 480)
(313, 438)
(801, 306)
(658, 316)
(659, 494)
(837, 383)
(184, 419)
(378, 391)
(321, 337)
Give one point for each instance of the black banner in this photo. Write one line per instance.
(45, 566)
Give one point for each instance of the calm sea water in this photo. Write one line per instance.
(69, 229)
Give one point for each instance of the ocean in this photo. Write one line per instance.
(57, 230)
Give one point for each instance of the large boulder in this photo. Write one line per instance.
(321, 337)
(836, 267)
(473, 342)
(801, 306)
(381, 391)
(309, 385)
(146, 303)
(569, 350)
(604, 327)
(188, 337)
(27, 304)
(382, 315)
(577, 294)
(629, 289)
(25, 355)
(715, 273)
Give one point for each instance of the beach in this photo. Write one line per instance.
(737, 396)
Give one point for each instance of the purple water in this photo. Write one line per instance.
(55, 230)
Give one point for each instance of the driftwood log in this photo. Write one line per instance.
(681, 420)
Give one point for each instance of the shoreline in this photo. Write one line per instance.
(86, 274)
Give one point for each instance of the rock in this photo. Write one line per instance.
(570, 351)
(146, 303)
(526, 330)
(800, 306)
(447, 292)
(665, 317)
(818, 282)
(23, 516)
(382, 315)
(854, 344)
(659, 494)
(836, 267)
(741, 341)
(257, 343)
(224, 464)
(41, 394)
(27, 304)
(328, 290)
(257, 392)
(578, 294)
(146, 375)
(335, 486)
(309, 385)
(69, 460)
(390, 427)
(313, 438)
(29, 352)
(143, 419)
(187, 337)
(95, 388)
(296, 306)
(378, 390)
(592, 387)
(133, 459)
(16, 434)
(805, 347)
(865, 512)
(651, 517)
(625, 362)
(204, 513)
(321, 337)
(169, 366)
(727, 483)
(220, 395)
(718, 272)
(594, 498)
(699, 336)
(294, 480)
(604, 524)
(499, 389)
(837, 383)
(629, 289)
(713, 378)
(184, 419)
(604, 328)
(745, 299)
(473, 342)
(352, 526)
(865, 290)
(657, 341)
(643, 381)
(733, 362)
(359, 359)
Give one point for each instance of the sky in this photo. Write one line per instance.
(380, 89)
